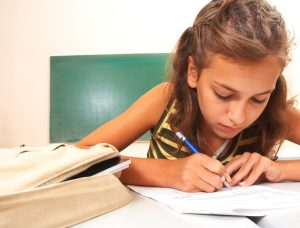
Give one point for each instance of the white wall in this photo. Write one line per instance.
(33, 30)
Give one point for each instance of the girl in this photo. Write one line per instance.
(226, 93)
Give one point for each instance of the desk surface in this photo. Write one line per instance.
(145, 212)
(283, 217)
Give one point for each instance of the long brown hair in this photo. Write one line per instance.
(241, 29)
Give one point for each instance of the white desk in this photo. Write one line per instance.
(285, 217)
(145, 212)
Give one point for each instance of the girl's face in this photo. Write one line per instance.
(232, 94)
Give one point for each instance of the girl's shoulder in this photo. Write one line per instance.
(153, 103)
(159, 95)
(164, 89)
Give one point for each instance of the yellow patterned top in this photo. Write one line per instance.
(163, 143)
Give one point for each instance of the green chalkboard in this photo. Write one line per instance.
(87, 91)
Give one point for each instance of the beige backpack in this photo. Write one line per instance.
(43, 186)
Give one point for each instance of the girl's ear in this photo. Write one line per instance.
(192, 75)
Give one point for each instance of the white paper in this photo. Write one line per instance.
(244, 201)
(123, 164)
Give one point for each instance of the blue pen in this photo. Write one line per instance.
(194, 149)
(187, 142)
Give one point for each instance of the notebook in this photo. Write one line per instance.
(112, 166)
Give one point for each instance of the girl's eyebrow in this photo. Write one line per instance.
(233, 90)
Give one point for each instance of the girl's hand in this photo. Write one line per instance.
(247, 168)
(197, 172)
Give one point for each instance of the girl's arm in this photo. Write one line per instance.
(194, 173)
(289, 171)
(294, 125)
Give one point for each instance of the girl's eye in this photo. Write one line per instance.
(223, 97)
(228, 97)
(258, 101)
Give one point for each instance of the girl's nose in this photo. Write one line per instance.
(237, 114)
